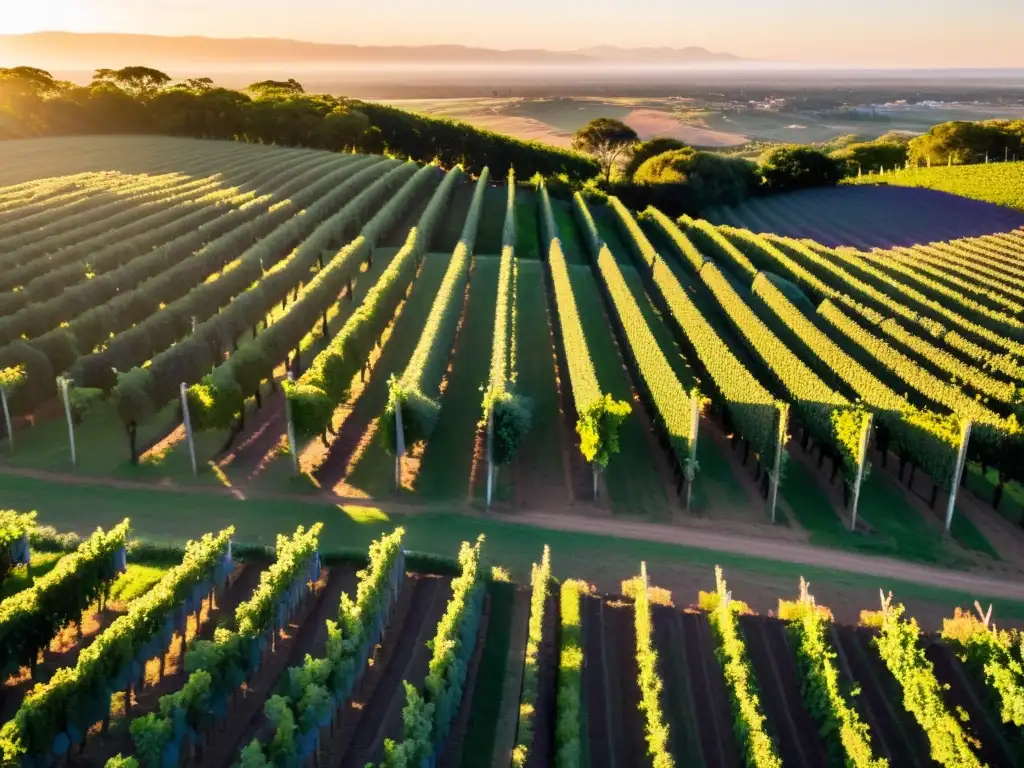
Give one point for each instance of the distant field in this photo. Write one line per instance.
(1000, 183)
(698, 122)
(870, 216)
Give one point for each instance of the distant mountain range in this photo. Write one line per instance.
(67, 50)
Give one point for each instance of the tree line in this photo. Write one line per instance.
(144, 100)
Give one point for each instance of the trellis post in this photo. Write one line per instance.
(399, 443)
(773, 493)
(490, 454)
(62, 383)
(291, 427)
(862, 454)
(961, 459)
(7, 417)
(187, 418)
(691, 468)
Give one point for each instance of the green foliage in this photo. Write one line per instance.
(12, 378)
(995, 654)
(606, 139)
(569, 696)
(31, 618)
(750, 406)
(219, 398)
(837, 719)
(713, 178)
(897, 644)
(331, 372)
(49, 708)
(417, 392)
(598, 415)
(798, 167)
(540, 589)
(512, 416)
(428, 718)
(999, 183)
(927, 439)
(645, 150)
(649, 679)
(961, 142)
(862, 157)
(118, 761)
(319, 687)
(759, 750)
(830, 417)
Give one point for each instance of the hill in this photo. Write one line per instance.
(68, 51)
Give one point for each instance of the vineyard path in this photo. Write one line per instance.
(770, 549)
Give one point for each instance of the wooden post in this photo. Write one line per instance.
(399, 444)
(187, 418)
(291, 428)
(7, 417)
(62, 384)
(490, 455)
(961, 459)
(691, 471)
(773, 494)
(594, 468)
(863, 455)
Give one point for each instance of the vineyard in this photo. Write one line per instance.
(218, 315)
(901, 209)
(237, 654)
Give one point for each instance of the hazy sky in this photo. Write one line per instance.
(930, 33)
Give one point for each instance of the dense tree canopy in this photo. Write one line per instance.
(142, 100)
(606, 140)
(962, 142)
(797, 167)
(713, 179)
(645, 150)
(886, 152)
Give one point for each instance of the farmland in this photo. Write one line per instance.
(882, 216)
(1001, 183)
(214, 316)
(331, 649)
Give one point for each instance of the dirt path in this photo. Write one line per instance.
(563, 520)
(508, 716)
(714, 716)
(542, 750)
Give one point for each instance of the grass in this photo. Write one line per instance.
(171, 516)
(478, 747)
(527, 225)
(373, 471)
(492, 221)
(572, 241)
(635, 486)
(41, 563)
(1011, 506)
(447, 461)
(136, 581)
(541, 453)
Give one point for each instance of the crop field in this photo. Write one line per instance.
(390, 658)
(345, 327)
(882, 216)
(1000, 183)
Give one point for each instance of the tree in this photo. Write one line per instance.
(140, 82)
(798, 167)
(606, 140)
(714, 179)
(873, 155)
(961, 142)
(290, 87)
(645, 150)
(27, 80)
(195, 85)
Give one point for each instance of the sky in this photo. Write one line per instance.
(865, 33)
